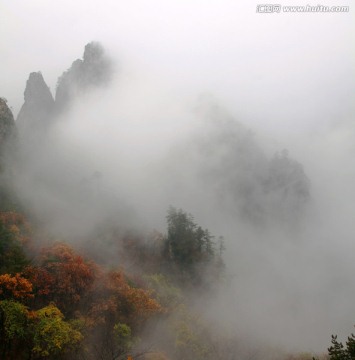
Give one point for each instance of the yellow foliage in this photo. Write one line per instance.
(52, 334)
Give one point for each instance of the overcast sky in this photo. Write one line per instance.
(284, 71)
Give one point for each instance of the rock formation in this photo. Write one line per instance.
(93, 71)
(36, 113)
(40, 109)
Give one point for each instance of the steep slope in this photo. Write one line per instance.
(8, 129)
(8, 142)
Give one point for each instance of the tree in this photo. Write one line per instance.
(124, 340)
(38, 334)
(15, 287)
(168, 295)
(119, 311)
(192, 336)
(337, 351)
(12, 255)
(62, 276)
(188, 243)
(51, 334)
(13, 329)
(123, 302)
(340, 352)
(190, 248)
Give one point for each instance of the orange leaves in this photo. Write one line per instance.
(59, 252)
(66, 278)
(62, 276)
(101, 310)
(143, 304)
(15, 287)
(133, 303)
(71, 273)
(106, 307)
(12, 218)
(119, 301)
(116, 282)
(41, 279)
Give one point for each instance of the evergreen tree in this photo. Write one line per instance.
(189, 249)
(12, 256)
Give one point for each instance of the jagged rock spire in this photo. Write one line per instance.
(37, 110)
(93, 70)
(40, 109)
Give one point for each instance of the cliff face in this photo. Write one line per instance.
(36, 112)
(8, 129)
(8, 141)
(94, 70)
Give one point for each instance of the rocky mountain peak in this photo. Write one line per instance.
(93, 52)
(94, 70)
(38, 106)
(37, 90)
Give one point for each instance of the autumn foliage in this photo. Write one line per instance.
(56, 303)
(16, 287)
(61, 276)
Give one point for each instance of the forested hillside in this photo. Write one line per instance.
(57, 303)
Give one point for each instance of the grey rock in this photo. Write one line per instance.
(36, 112)
(94, 70)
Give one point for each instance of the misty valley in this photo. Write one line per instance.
(132, 227)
